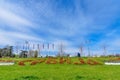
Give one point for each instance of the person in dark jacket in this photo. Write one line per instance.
(78, 54)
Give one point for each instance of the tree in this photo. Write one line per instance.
(81, 48)
(88, 42)
(61, 48)
(104, 47)
(0, 53)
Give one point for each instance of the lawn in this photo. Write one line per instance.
(65, 71)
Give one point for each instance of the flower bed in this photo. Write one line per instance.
(81, 61)
(21, 63)
(92, 62)
(60, 61)
(33, 62)
(88, 61)
(51, 61)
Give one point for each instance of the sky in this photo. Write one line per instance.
(93, 23)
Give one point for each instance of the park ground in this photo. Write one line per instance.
(58, 71)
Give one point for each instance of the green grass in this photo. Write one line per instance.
(44, 71)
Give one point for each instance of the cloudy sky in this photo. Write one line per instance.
(72, 22)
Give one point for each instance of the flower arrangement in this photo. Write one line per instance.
(33, 62)
(21, 63)
(51, 61)
(92, 62)
(61, 60)
(81, 61)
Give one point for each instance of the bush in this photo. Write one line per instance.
(21, 63)
(91, 62)
(51, 61)
(81, 61)
(33, 63)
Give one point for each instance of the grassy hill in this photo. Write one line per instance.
(65, 71)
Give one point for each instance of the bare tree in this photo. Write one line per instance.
(38, 46)
(53, 46)
(17, 47)
(81, 48)
(61, 49)
(33, 46)
(26, 42)
(88, 48)
(23, 46)
(104, 47)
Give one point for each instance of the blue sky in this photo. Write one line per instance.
(71, 22)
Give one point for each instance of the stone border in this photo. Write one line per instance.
(6, 63)
(112, 63)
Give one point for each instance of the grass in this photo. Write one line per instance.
(44, 71)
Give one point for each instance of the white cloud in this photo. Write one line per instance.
(13, 20)
(13, 37)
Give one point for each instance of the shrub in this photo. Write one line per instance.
(33, 63)
(41, 60)
(91, 62)
(62, 60)
(21, 63)
(51, 61)
(81, 61)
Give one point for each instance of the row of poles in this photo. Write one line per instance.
(31, 46)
